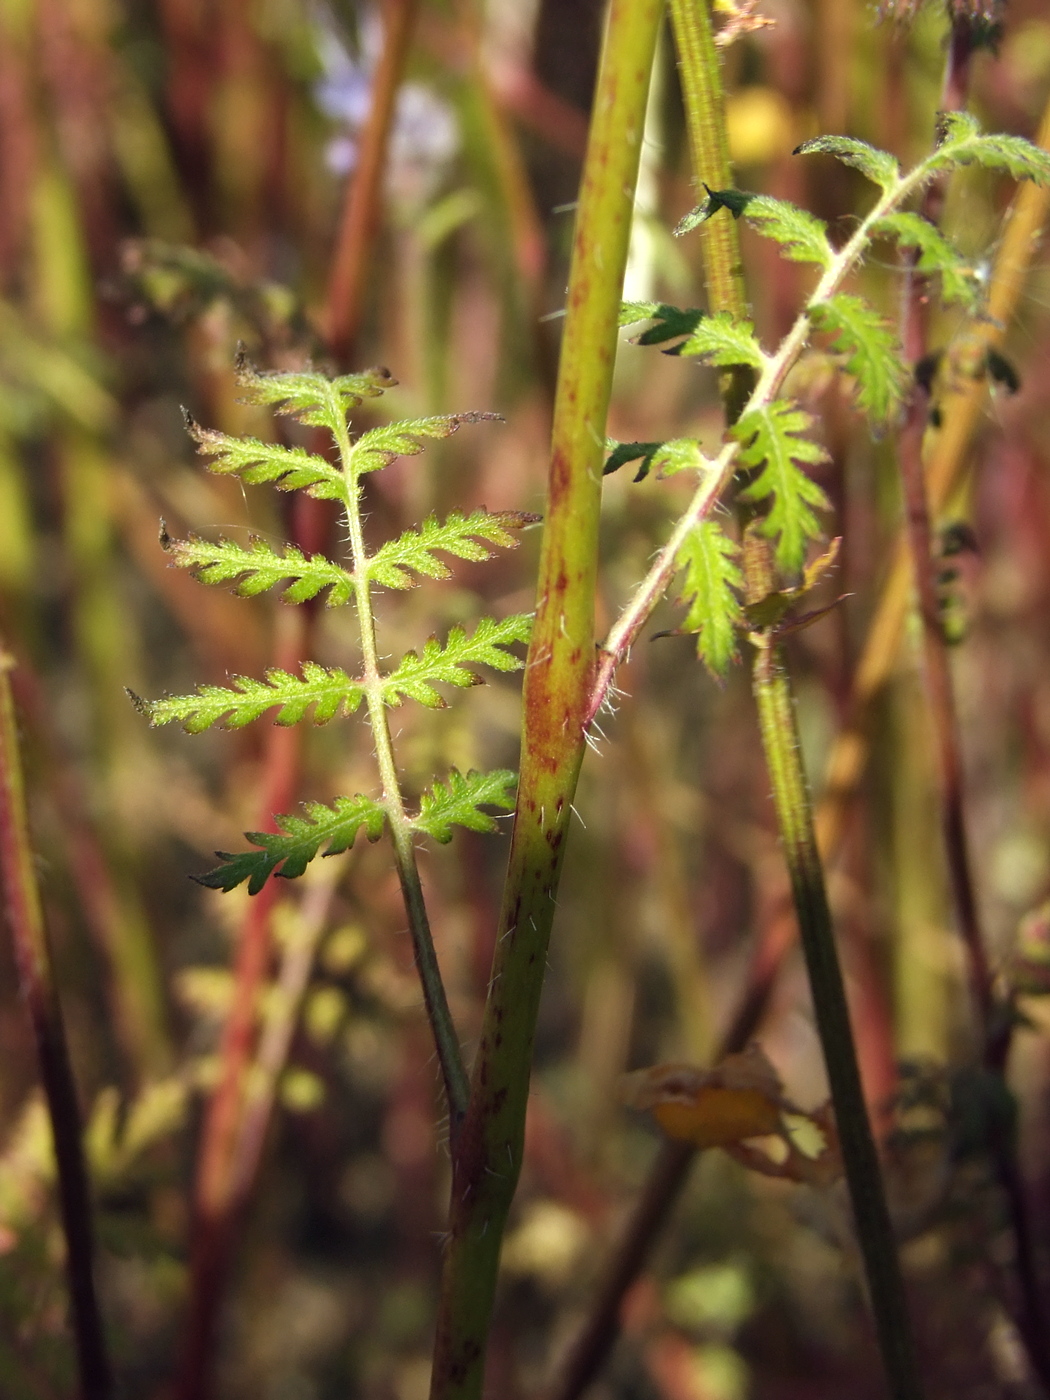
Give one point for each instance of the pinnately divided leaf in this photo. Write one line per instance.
(380, 446)
(675, 455)
(719, 339)
(297, 843)
(963, 143)
(870, 349)
(936, 253)
(457, 802)
(772, 441)
(801, 235)
(394, 563)
(260, 567)
(670, 321)
(309, 396)
(289, 468)
(710, 590)
(329, 692)
(878, 166)
(451, 664)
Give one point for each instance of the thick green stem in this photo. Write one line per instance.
(780, 741)
(450, 1055)
(487, 1157)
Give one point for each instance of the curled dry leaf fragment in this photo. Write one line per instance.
(739, 1105)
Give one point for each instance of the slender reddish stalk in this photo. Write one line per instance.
(37, 983)
(360, 220)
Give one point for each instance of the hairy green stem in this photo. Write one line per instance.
(718, 473)
(487, 1157)
(702, 93)
(450, 1055)
(25, 916)
(780, 741)
(701, 88)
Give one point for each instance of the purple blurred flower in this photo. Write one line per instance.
(425, 137)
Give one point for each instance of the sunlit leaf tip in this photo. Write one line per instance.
(878, 166)
(458, 801)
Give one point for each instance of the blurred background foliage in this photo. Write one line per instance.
(173, 181)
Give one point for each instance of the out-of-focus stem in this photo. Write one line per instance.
(487, 1153)
(360, 219)
(26, 920)
(960, 406)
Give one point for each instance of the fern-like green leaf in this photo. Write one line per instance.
(801, 235)
(719, 339)
(457, 802)
(667, 458)
(936, 254)
(309, 396)
(330, 692)
(289, 468)
(710, 591)
(381, 446)
(878, 166)
(297, 843)
(451, 664)
(260, 567)
(395, 563)
(670, 321)
(633, 311)
(963, 143)
(870, 349)
(772, 442)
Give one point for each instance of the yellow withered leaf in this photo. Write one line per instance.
(739, 1105)
(737, 1099)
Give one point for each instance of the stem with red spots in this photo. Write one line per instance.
(487, 1153)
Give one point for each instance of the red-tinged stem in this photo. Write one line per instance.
(360, 220)
(215, 1206)
(994, 1024)
(488, 1150)
(36, 978)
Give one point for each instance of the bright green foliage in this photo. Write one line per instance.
(801, 235)
(260, 567)
(721, 340)
(936, 254)
(772, 442)
(297, 842)
(963, 143)
(718, 339)
(675, 455)
(457, 802)
(416, 676)
(458, 534)
(324, 693)
(869, 346)
(289, 468)
(310, 397)
(671, 321)
(879, 166)
(330, 692)
(381, 446)
(710, 589)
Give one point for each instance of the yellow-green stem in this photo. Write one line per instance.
(487, 1156)
(450, 1055)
